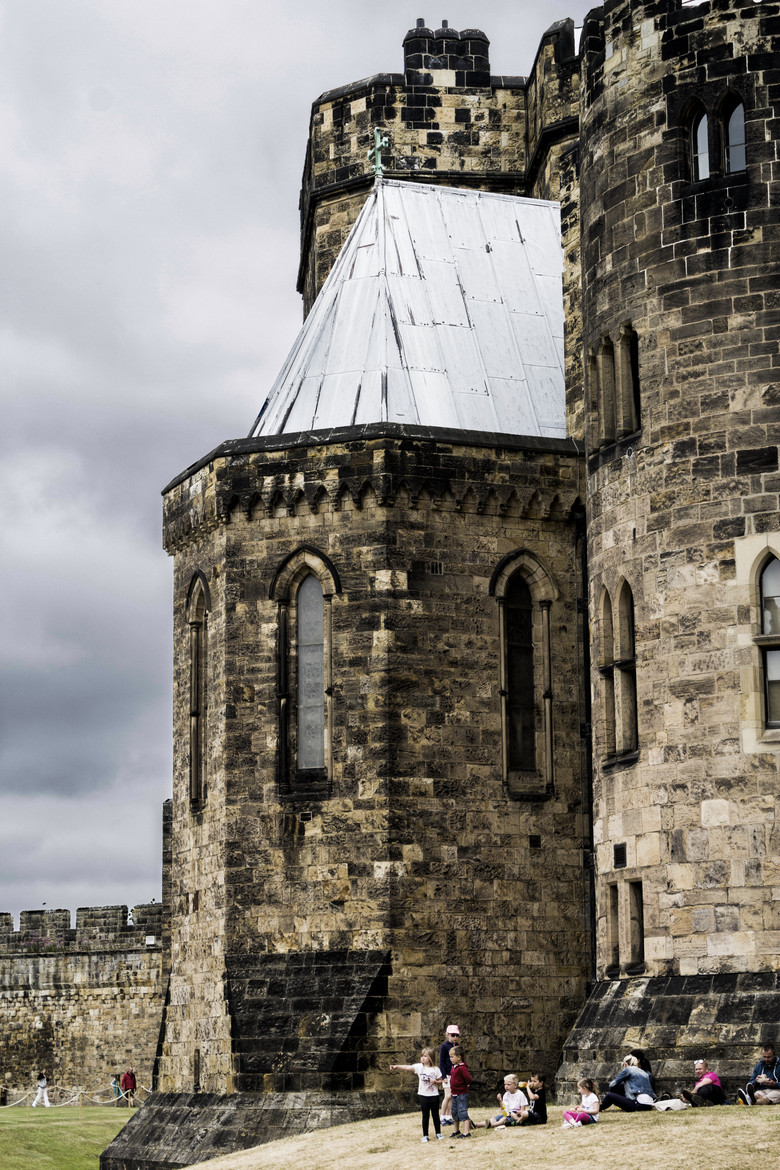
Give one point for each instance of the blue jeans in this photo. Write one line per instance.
(460, 1107)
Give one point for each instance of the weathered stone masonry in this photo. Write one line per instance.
(417, 815)
(683, 513)
(83, 1002)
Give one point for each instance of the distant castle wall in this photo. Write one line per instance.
(83, 1003)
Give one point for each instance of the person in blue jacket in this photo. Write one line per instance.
(631, 1090)
(763, 1088)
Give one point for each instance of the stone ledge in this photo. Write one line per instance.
(676, 1019)
(172, 1130)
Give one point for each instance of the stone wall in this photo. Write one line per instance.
(416, 844)
(83, 1003)
(676, 1020)
(179, 1129)
(683, 504)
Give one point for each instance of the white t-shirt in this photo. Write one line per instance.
(589, 1102)
(516, 1100)
(426, 1080)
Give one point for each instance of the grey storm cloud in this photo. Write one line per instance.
(152, 155)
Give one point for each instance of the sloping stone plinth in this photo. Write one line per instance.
(301, 1019)
(676, 1019)
(172, 1130)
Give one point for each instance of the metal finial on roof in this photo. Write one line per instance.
(374, 155)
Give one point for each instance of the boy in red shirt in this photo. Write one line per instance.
(460, 1080)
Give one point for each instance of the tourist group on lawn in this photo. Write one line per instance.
(524, 1103)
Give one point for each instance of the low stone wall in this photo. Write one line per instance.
(722, 1019)
(179, 1129)
(83, 1003)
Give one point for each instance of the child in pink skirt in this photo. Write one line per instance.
(589, 1109)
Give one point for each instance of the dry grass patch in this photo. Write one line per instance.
(729, 1138)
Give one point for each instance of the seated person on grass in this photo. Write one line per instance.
(763, 1088)
(511, 1103)
(708, 1090)
(536, 1112)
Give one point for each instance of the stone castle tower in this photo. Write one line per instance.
(378, 825)
(680, 247)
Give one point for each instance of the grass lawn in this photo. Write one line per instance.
(58, 1139)
(727, 1138)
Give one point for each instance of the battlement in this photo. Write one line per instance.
(465, 55)
(444, 119)
(98, 928)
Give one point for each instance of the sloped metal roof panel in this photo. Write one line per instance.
(444, 308)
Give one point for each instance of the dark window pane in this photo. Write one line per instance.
(772, 675)
(521, 713)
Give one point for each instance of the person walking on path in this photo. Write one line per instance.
(128, 1084)
(42, 1097)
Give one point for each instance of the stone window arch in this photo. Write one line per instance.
(613, 393)
(525, 592)
(625, 681)
(732, 134)
(607, 671)
(197, 609)
(303, 588)
(757, 557)
(605, 370)
(617, 666)
(768, 640)
(627, 381)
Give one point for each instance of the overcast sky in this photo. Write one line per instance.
(151, 160)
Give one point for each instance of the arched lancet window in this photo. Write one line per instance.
(607, 670)
(592, 399)
(525, 592)
(627, 381)
(733, 135)
(700, 146)
(769, 640)
(311, 674)
(303, 589)
(625, 681)
(197, 610)
(605, 365)
(521, 700)
(618, 672)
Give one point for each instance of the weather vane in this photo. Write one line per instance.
(374, 155)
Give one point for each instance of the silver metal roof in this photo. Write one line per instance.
(444, 308)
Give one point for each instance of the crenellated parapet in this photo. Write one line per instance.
(98, 928)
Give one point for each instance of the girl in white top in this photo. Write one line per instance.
(428, 1082)
(588, 1111)
(511, 1103)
